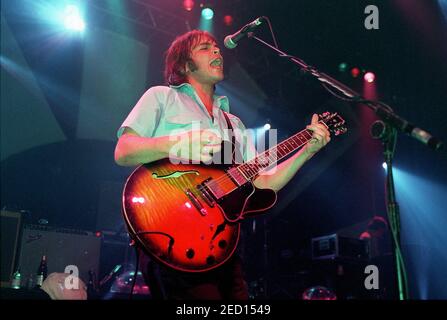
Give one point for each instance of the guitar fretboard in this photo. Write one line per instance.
(270, 157)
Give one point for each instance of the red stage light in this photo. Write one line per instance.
(355, 72)
(228, 20)
(188, 5)
(369, 77)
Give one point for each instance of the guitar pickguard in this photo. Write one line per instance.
(245, 201)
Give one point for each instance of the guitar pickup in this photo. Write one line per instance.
(206, 195)
(196, 202)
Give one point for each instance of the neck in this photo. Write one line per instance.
(204, 90)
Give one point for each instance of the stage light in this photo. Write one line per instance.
(342, 67)
(228, 20)
(355, 72)
(73, 19)
(207, 13)
(384, 165)
(188, 5)
(369, 77)
(267, 126)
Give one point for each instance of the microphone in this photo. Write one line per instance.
(231, 41)
(410, 129)
(426, 138)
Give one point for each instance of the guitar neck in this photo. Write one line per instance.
(270, 157)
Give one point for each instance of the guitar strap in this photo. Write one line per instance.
(235, 145)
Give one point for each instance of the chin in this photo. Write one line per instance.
(220, 77)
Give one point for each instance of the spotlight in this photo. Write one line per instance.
(207, 13)
(369, 77)
(384, 165)
(355, 72)
(267, 126)
(342, 67)
(73, 19)
(228, 20)
(188, 5)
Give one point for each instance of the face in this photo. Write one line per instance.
(208, 62)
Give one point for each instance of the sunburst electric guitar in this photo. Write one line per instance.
(187, 215)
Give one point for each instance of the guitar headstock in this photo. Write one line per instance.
(334, 122)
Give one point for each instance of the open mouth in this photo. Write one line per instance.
(218, 62)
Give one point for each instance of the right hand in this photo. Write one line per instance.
(197, 145)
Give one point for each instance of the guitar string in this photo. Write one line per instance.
(253, 162)
(227, 176)
(222, 179)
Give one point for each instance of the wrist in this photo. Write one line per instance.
(308, 152)
(164, 145)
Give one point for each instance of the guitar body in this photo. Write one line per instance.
(182, 230)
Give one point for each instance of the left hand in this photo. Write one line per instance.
(320, 136)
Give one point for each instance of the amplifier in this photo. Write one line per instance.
(62, 247)
(335, 246)
(11, 229)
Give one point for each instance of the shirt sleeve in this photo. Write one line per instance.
(145, 116)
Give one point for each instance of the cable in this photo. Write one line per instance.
(134, 280)
(271, 32)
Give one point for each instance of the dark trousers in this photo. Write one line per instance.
(223, 283)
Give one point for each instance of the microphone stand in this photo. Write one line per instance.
(393, 123)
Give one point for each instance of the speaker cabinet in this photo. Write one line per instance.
(11, 227)
(62, 247)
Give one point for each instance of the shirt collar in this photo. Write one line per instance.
(221, 101)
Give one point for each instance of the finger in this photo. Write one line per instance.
(210, 137)
(318, 137)
(324, 129)
(318, 130)
(207, 150)
(314, 118)
(318, 126)
(216, 148)
(211, 149)
(206, 159)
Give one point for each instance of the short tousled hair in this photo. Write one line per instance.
(179, 54)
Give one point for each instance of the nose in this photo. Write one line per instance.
(216, 51)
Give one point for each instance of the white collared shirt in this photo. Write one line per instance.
(162, 109)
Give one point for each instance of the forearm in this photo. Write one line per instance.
(134, 150)
(278, 177)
